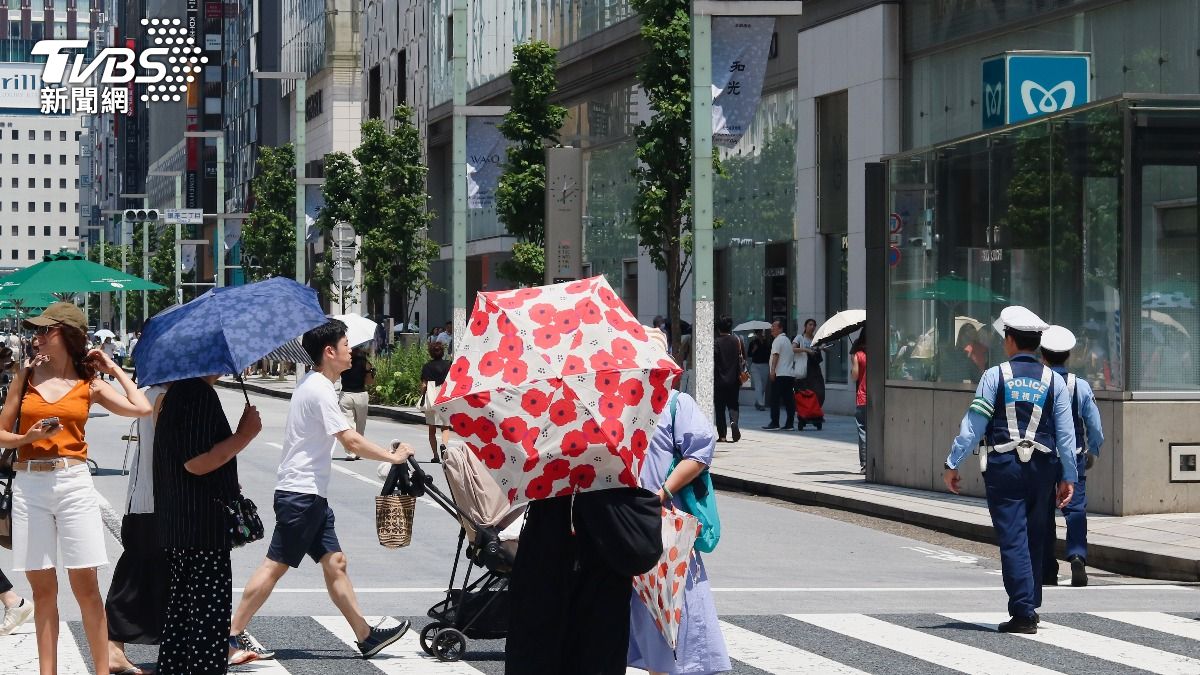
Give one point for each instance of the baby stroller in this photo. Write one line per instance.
(489, 529)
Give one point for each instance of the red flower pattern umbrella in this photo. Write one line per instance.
(557, 389)
(661, 588)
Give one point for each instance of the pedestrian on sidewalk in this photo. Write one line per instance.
(137, 596)
(433, 374)
(700, 649)
(1025, 449)
(858, 373)
(17, 610)
(354, 399)
(1057, 343)
(304, 522)
(810, 387)
(727, 373)
(760, 368)
(782, 362)
(55, 507)
(110, 350)
(195, 476)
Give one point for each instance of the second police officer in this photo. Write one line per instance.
(1022, 412)
(1057, 343)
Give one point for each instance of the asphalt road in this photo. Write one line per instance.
(791, 582)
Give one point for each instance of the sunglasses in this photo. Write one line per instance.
(41, 331)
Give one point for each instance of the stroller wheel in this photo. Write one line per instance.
(449, 644)
(427, 634)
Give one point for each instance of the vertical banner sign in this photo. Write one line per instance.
(188, 257)
(564, 214)
(740, 47)
(486, 155)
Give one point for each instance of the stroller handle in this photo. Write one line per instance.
(407, 479)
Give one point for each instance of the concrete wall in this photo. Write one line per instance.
(860, 54)
(1130, 477)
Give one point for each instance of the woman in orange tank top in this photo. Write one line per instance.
(54, 501)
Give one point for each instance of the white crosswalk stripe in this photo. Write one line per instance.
(403, 657)
(774, 656)
(1163, 623)
(18, 652)
(1097, 646)
(914, 643)
(268, 667)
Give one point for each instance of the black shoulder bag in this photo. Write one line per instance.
(242, 522)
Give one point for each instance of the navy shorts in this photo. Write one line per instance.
(303, 525)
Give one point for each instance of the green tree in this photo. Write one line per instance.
(381, 192)
(269, 234)
(664, 146)
(531, 123)
(133, 300)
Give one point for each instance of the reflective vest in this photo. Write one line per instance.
(1024, 409)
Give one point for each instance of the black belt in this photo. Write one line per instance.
(354, 391)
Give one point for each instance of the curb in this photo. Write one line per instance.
(1124, 561)
(401, 416)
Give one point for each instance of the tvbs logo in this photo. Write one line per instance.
(166, 68)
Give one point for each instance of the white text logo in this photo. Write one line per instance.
(1048, 103)
(993, 100)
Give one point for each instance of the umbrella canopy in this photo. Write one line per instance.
(104, 333)
(358, 329)
(839, 325)
(661, 589)
(752, 325)
(290, 352)
(67, 272)
(955, 289)
(557, 389)
(224, 330)
(33, 301)
(1166, 320)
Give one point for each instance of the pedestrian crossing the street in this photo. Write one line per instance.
(825, 644)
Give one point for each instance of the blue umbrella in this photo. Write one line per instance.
(225, 330)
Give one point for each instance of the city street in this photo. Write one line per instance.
(800, 589)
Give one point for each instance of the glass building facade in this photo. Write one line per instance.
(1088, 217)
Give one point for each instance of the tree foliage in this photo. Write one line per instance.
(531, 123)
(269, 234)
(381, 192)
(664, 146)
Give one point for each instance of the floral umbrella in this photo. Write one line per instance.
(557, 389)
(661, 589)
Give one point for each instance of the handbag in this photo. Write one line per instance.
(242, 521)
(395, 507)
(428, 397)
(9, 455)
(621, 527)
(698, 498)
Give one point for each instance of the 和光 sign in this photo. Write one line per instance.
(1019, 86)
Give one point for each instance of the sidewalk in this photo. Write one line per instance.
(821, 468)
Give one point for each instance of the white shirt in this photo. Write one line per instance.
(308, 436)
(140, 495)
(783, 347)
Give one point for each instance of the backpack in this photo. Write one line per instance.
(698, 497)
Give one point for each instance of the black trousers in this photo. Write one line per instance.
(570, 613)
(195, 635)
(5, 584)
(781, 396)
(137, 598)
(725, 398)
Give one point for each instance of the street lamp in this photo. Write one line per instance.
(178, 176)
(301, 80)
(702, 179)
(219, 136)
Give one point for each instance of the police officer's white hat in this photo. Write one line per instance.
(1019, 318)
(1058, 339)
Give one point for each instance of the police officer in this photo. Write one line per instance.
(1057, 343)
(1022, 411)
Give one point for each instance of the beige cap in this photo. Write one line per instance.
(60, 313)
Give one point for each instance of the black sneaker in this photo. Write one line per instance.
(771, 427)
(1020, 624)
(737, 433)
(379, 638)
(247, 642)
(1078, 571)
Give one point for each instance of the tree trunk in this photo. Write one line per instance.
(674, 261)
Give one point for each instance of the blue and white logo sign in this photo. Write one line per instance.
(1018, 86)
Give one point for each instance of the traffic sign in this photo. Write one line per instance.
(344, 254)
(185, 216)
(343, 274)
(893, 256)
(343, 235)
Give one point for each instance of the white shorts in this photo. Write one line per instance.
(53, 511)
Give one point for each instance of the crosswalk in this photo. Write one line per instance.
(825, 644)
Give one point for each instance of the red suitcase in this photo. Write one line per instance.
(808, 409)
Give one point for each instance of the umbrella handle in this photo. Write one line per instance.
(238, 377)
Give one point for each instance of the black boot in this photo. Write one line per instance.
(1019, 624)
(1078, 571)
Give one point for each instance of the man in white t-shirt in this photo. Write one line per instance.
(782, 358)
(304, 521)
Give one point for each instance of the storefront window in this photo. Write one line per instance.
(1030, 216)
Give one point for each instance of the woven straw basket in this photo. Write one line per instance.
(394, 519)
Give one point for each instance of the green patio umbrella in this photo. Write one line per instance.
(68, 272)
(955, 289)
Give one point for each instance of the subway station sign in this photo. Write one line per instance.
(1019, 86)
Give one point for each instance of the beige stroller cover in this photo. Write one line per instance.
(479, 496)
